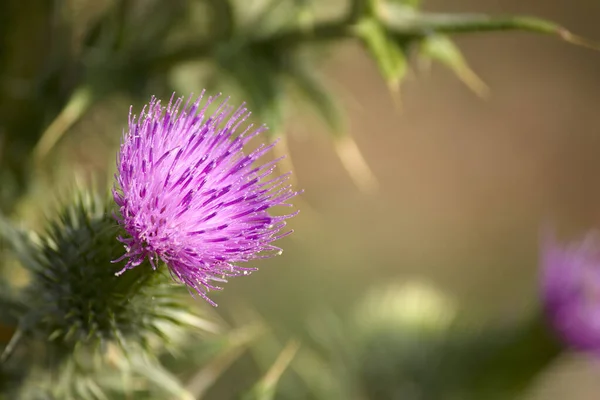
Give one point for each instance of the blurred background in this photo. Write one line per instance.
(464, 183)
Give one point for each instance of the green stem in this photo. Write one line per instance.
(79, 103)
(402, 27)
(424, 24)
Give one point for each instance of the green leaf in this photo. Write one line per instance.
(355, 163)
(325, 380)
(304, 13)
(21, 243)
(158, 376)
(388, 54)
(78, 104)
(257, 73)
(405, 21)
(266, 387)
(442, 49)
(236, 344)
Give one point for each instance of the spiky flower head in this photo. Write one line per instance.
(190, 196)
(73, 299)
(571, 290)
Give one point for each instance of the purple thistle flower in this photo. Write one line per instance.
(571, 290)
(188, 194)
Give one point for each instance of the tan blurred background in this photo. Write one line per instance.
(465, 183)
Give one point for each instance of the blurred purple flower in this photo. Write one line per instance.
(188, 195)
(571, 290)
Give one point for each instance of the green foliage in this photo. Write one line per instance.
(266, 387)
(388, 54)
(442, 49)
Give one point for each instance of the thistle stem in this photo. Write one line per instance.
(401, 27)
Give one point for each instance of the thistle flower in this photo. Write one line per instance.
(571, 290)
(188, 194)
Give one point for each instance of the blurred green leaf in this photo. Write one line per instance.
(155, 22)
(236, 343)
(155, 373)
(88, 374)
(355, 163)
(402, 20)
(320, 365)
(265, 388)
(257, 73)
(442, 49)
(20, 241)
(390, 57)
(79, 103)
(304, 13)
(324, 378)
